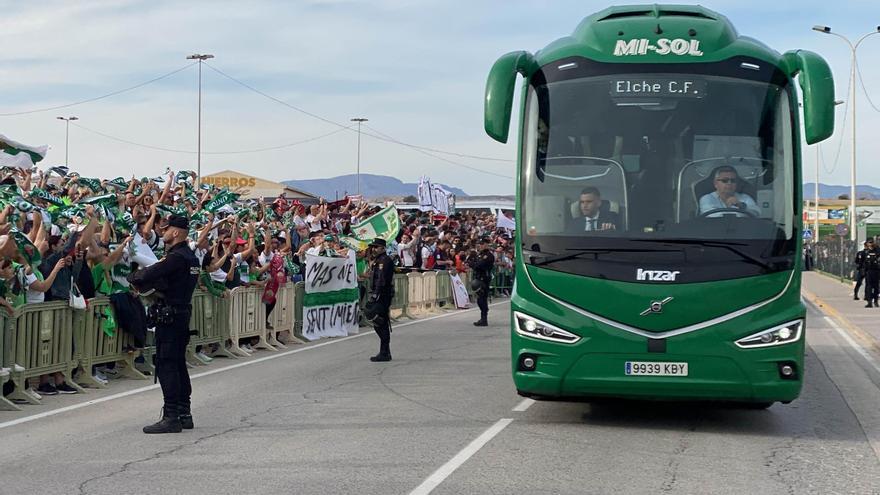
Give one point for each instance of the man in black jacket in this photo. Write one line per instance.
(175, 276)
(860, 271)
(872, 274)
(482, 262)
(592, 217)
(379, 302)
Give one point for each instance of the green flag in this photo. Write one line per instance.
(27, 248)
(104, 199)
(382, 225)
(93, 184)
(45, 196)
(222, 199)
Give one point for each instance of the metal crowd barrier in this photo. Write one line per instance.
(41, 343)
(247, 318)
(51, 337)
(399, 301)
(95, 347)
(210, 322)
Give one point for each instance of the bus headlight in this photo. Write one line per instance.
(782, 334)
(532, 327)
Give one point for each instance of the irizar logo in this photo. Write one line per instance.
(656, 275)
(664, 46)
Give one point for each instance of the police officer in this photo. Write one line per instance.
(860, 272)
(482, 263)
(872, 274)
(379, 301)
(174, 277)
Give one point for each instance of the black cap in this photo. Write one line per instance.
(179, 221)
(484, 240)
(379, 242)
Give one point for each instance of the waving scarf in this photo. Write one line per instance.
(276, 278)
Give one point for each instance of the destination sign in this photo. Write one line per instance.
(648, 86)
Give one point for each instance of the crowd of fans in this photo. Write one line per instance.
(69, 236)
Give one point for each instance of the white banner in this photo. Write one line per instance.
(459, 292)
(503, 222)
(330, 306)
(440, 199)
(424, 192)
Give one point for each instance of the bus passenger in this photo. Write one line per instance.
(725, 196)
(592, 217)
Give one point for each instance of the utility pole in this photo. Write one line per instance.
(67, 135)
(852, 189)
(359, 121)
(201, 58)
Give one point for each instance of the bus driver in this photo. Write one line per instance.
(725, 195)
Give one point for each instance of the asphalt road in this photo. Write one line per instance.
(444, 416)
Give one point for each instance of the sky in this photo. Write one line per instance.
(415, 69)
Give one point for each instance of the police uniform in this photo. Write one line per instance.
(872, 276)
(176, 277)
(860, 272)
(379, 301)
(482, 265)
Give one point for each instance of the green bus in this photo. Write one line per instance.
(659, 208)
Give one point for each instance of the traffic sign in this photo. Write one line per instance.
(808, 234)
(841, 229)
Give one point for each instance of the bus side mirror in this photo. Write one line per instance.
(499, 92)
(817, 87)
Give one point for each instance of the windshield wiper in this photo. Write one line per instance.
(578, 252)
(730, 246)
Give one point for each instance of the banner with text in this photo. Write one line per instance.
(330, 305)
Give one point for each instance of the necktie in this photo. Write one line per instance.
(591, 224)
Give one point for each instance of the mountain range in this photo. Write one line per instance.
(372, 186)
(831, 191)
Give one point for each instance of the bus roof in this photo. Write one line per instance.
(656, 34)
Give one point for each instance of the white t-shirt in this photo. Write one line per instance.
(243, 268)
(33, 296)
(427, 252)
(314, 225)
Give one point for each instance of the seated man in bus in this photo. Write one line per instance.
(592, 217)
(726, 181)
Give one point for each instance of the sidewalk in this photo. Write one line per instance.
(835, 298)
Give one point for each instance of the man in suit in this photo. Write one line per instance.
(592, 217)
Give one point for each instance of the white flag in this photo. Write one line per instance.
(16, 155)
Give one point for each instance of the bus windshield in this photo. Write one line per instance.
(675, 166)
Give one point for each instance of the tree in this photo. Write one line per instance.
(410, 199)
(843, 196)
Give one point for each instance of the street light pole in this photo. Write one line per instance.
(201, 58)
(816, 203)
(359, 121)
(67, 135)
(852, 189)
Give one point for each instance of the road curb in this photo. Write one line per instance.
(868, 341)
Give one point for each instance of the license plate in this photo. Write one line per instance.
(643, 368)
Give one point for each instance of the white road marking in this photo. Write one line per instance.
(147, 388)
(460, 458)
(522, 406)
(855, 345)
